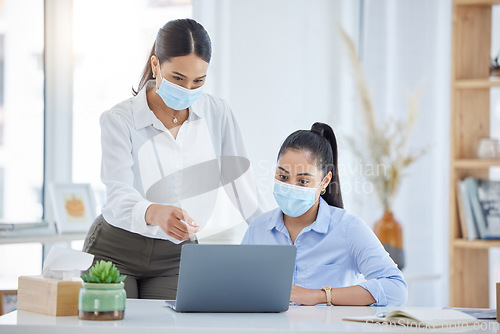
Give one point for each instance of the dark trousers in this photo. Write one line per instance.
(151, 265)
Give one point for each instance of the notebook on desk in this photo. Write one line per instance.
(234, 278)
(420, 317)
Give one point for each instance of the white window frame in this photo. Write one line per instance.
(58, 95)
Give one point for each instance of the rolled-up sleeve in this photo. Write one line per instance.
(384, 280)
(123, 201)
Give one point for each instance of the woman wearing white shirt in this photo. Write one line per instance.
(165, 153)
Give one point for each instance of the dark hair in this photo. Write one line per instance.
(320, 141)
(175, 39)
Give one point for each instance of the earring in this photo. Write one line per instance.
(323, 191)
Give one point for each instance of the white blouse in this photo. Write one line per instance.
(143, 164)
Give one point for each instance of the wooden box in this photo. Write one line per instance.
(48, 295)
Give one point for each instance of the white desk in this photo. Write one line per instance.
(152, 316)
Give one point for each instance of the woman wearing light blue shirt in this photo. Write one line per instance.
(333, 246)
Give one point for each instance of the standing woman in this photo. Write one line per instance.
(165, 153)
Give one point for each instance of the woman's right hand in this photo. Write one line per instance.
(171, 220)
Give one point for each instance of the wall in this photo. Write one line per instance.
(407, 46)
(281, 69)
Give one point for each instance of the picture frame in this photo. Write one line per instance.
(73, 206)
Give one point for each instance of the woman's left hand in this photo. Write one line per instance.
(306, 296)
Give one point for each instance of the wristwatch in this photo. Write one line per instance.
(328, 291)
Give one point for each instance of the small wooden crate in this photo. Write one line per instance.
(48, 295)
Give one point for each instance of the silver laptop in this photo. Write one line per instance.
(234, 278)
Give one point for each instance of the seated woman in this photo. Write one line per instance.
(333, 246)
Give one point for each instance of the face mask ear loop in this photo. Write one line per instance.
(325, 178)
(159, 73)
(321, 192)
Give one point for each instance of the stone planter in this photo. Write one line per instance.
(101, 301)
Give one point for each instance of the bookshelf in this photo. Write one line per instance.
(476, 83)
(470, 121)
(476, 244)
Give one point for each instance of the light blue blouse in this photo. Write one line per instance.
(334, 250)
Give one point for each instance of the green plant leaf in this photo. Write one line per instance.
(103, 272)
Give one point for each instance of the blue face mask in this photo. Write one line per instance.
(294, 201)
(177, 97)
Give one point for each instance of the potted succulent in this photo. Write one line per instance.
(102, 296)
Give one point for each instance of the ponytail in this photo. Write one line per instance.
(321, 142)
(333, 195)
(147, 73)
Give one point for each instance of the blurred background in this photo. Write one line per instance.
(281, 64)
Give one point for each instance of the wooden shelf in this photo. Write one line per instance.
(42, 238)
(476, 244)
(469, 120)
(476, 2)
(477, 83)
(476, 163)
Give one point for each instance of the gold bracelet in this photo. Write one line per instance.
(328, 291)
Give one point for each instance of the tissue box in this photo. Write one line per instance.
(48, 295)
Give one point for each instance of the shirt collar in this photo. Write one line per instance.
(144, 116)
(322, 221)
(276, 221)
(320, 225)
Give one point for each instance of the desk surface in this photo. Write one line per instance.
(153, 316)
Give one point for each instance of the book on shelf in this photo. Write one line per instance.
(484, 196)
(420, 317)
(465, 215)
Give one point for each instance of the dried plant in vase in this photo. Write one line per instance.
(384, 147)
